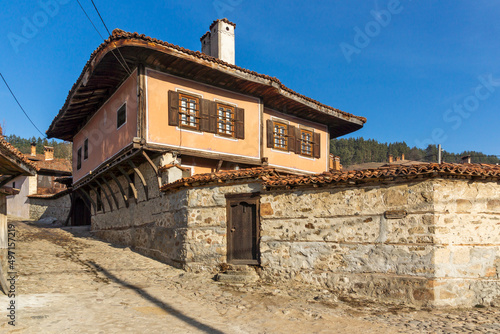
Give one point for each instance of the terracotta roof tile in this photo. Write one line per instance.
(119, 34)
(15, 152)
(57, 165)
(388, 172)
(260, 173)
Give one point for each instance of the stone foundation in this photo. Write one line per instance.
(433, 242)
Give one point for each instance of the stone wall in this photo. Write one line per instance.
(444, 252)
(58, 208)
(186, 228)
(432, 242)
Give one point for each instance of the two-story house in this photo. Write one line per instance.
(142, 106)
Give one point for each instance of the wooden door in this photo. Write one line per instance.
(81, 212)
(243, 229)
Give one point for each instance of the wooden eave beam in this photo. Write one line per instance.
(152, 164)
(105, 194)
(106, 183)
(141, 177)
(119, 185)
(87, 196)
(98, 196)
(130, 183)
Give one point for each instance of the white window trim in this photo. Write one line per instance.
(280, 151)
(226, 138)
(190, 131)
(126, 118)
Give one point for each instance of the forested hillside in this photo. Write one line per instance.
(358, 150)
(61, 149)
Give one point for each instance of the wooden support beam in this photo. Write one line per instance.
(125, 195)
(87, 196)
(105, 194)
(152, 164)
(103, 179)
(130, 183)
(98, 196)
(219, 165)
(7, 180)
(143, 180)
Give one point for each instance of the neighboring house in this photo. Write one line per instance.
(41, 185)
(399, 161)
(13, 164)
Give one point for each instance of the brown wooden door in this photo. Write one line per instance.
(243, 229)
(81, 213)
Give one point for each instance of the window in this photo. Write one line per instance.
(86, 149)
(14, 185)
(225, 120)
(289, 138)
(79, 159)
(306, 142)
(195, 113)
(189, 108)
(121, 116)
(280, 135)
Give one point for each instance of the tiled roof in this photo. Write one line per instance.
(167, 167)
(56, 165)
(223, 20)
(271, 179)
(483, 171)
(260, 173)
(119, 34)
(15, 152)
(51, 196)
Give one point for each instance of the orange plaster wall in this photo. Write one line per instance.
(104, 139)
(159, 132)
(279, 158)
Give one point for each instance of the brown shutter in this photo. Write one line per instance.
(173, 108)
(212, 117)
(239, 123)
(290, 131)
(270, 133)
(298, 141)
(316, 145)
(204, 115)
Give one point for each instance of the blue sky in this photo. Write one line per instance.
(419, 71)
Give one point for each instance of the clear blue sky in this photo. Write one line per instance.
(419, 71)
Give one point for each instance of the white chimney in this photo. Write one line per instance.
(219, 41)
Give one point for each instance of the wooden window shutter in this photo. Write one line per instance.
(204, 115)
(239, 123)
(270, 133)
(292, 140)
(298, 141)
(173, 108)
(316, 145)
(212, 117)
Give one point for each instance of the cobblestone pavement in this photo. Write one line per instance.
(70, 282)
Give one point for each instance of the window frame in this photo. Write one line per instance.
(225, 120)
(85, 149)
(309, 143)
(124, 107)
(284, 136)
(79, 158)
(188, 115)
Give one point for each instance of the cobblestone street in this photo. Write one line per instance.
(70, 282)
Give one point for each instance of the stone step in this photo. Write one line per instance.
(238, 274)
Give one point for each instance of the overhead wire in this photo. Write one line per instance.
(105, 26)
(124, 64)
(20, 106)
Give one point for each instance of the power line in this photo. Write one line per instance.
(125, 67)
(105, 26)
(19, 104)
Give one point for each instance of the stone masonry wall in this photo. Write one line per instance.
(340, 239)
(467, 238)
(58, 208)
